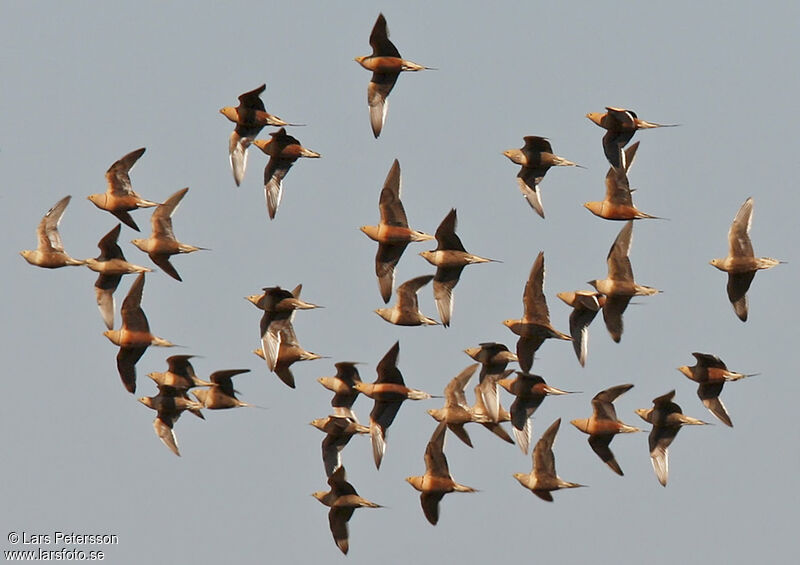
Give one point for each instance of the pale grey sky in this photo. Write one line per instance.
(85, 84)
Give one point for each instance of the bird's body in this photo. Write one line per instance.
(618, 201)
(389, 392)
(343, 387)
(585, 306)
(342, 500)
(530, 391)
(289, 353)
(667, 419)
(449, 258)
(283, 151)
(49, 252)
(386, 65)
(179, 375)
(619, 287)
(494, 358)
(221, 395)
(741, 264)
(543, 480)
(168, 409)
(456, 412)
(162, 243)
(534, 327)
(250, 117)
(392, 233)
(279, 306)
(119, 197)
(437, 480)
(711, 373)
(603, 425)
(134, 336)
(110, 265)
(620, 125)
(338, 429)
(406, 311)
(535, 157)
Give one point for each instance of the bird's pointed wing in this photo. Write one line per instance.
(602, 401)
(444, 282)
(454, 391)
(391, 208)
(709, 361)
(337, 519)
(180, 365)
(271, 339)
(165, 265)
(109, 249)
(526, 348)
(739, 234)
(486, 396)
(379, 39)
(338, 483)
(381, 417)
(618, 190)
(521, 425)
(49, 238)
(630, 155)
(738, 285)
(659, 441)
(274, 173)
(223, 379)
(133, 317)
(709, 395)
(435, 460)
(613, 142)
(523, 436)
(600, 445)
(104, 293)
(544, 462)
(430, 505)
(331, 453)
(237, 155)
(347, 372)
(619, 265)
(407, 292)
(579, 321)
(252, 99)
(386, 260)
(461, 433)
(161, 220)
(378, 91)
(286, 376)
(119, 182)
(664, 400)
(528, 180)
(163, 429)
(446, 233)
(536, 144)
(533, 297)
(125, 217)
(126, 365)
(625, 118)
(498, 430)
(387, 367)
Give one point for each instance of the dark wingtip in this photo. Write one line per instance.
(130, 384)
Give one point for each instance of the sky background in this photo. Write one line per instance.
(85, 84)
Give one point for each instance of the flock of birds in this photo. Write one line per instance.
(280, 347)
